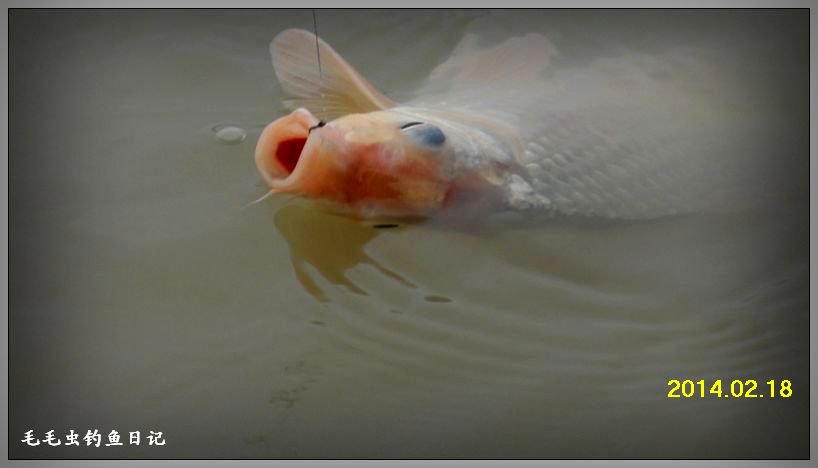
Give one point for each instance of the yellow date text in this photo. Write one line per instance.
(737, 388)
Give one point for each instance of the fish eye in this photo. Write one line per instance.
(425, 134)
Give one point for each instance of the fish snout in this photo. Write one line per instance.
(281, 146)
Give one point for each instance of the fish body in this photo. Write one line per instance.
(628, 137)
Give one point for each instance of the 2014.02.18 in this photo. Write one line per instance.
(736, 389)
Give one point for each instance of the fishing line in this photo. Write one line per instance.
(320, 72)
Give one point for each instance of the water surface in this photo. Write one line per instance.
(147, 295)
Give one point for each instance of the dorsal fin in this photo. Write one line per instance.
(517, 58)
(344, 90)
(491, 79)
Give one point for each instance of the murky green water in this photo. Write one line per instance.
(147, 295)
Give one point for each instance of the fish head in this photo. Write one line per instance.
(374, 158)
(368, 164)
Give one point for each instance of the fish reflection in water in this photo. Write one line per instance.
(332, 245)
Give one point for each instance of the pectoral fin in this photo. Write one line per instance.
(338, 90)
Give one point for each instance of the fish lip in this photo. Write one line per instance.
(294, 125)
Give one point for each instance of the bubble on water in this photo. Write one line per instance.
(229, 134)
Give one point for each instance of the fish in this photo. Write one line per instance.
(500, 127)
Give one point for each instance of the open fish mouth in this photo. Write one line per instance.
(284, 148)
